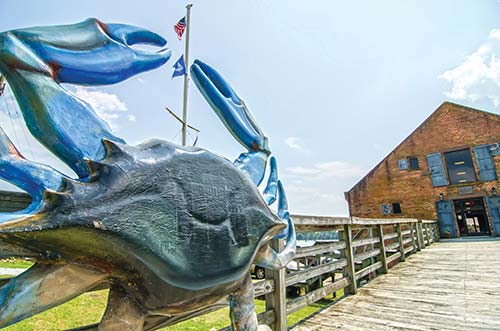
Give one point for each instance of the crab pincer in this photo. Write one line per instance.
(235, 115)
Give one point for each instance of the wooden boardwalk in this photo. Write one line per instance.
(451, 285)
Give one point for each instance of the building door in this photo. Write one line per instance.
(494, 209)
(447, 228)
(471, 217)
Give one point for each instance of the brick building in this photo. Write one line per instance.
(448, 168)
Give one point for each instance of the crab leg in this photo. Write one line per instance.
(43, 287)
(122, 312)
(31, 177)
(242, 310)
(267, 257)
(35, 60)
(233, 112)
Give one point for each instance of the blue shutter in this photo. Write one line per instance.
(494, 209)
(485, 163)
(435, 162)
(447, 226)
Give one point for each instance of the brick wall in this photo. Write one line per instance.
(450, 127)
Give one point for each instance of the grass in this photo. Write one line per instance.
(85, 309)
(89, 307)
(15, 263)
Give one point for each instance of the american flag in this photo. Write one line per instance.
(179, 27)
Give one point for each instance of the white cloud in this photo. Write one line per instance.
(478, 77)
(318, 189)
(107, 105)
(329, 169)
(294, 143)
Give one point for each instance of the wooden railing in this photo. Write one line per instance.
(366, 248)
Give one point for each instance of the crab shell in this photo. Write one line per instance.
(196, 226)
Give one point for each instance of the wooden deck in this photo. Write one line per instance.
(451, 285)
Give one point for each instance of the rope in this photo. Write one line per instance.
(13, 110)
(173, 139)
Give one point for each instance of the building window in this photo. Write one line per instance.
(408, 163)
(413, 163)
(460, 166)
(396, 208)
(386, 209)
(403, 164)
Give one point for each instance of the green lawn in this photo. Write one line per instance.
(89, 307)
(15, 263)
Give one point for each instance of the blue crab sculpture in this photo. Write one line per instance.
(171, 229)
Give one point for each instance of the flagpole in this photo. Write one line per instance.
(186, 76)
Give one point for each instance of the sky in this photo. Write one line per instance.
(335, 85)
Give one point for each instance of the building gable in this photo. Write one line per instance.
(449, 127)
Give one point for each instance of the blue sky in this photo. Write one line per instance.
(335, 85)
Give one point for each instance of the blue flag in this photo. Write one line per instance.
(179, 67)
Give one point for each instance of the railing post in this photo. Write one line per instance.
(383, 256)
(420, 235)
(276, 301)
(349, 255)
(427, 241)
(400, 239)
(413, 243)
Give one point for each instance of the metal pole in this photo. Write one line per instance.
(186, 76)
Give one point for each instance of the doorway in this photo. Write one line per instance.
(471, 217)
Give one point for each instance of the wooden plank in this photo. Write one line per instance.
(305, 223)
(368, 270)
(408, 249)
(391, 235)
(427, 240)
(349, 255)
(413, 236)
(313, 296)
(420, 236)
(303, 275)
(377, 221)
(276, 301)
(406, 232)
(407, 241)
(366, 255)
(366, 241)
(400, 240)
(319, 249)
(393, 257)
(430, 221)
(392, 246)
(383, 256)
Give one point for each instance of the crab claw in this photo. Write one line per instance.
(92, 52)
(267, 257)
(271, 190)
(35, 60)
(233, 112)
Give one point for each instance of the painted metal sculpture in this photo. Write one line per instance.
(171, 229)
